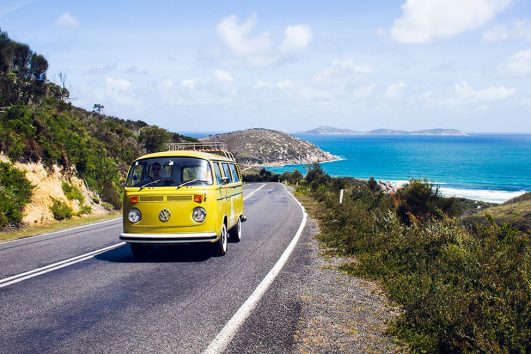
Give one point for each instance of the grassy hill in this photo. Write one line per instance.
(515, 212)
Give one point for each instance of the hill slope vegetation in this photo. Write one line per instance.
(39, 125)
(267, 147)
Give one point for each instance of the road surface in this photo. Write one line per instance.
(179, 300)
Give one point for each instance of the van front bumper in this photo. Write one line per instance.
(169, 238)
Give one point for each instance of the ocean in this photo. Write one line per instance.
(487, 167)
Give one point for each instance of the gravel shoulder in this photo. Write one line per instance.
(340, 313)
(312, 307)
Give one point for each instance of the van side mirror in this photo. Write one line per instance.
(224, 180)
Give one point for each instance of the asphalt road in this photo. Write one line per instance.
(178, 300)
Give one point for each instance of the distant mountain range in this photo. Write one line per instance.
(327, 130)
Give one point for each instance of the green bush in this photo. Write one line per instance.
(461, 289)
(316, 176)
(262, 176)
(107, 206)
(61, 210)
(292, 177)
(419, 201)
(84, 209)
(15, 193)
(72, 192)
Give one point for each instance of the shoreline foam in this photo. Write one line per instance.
(483, 195)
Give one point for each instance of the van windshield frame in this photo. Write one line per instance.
(169, 171)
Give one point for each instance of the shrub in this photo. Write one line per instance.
(262, 176)
(61, 210)
(15, 193)
(107, 206)
(292, 177)
(316, 176)
(72, 192)
(419, 201)
(84, 209)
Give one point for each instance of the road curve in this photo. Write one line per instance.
(176, 301)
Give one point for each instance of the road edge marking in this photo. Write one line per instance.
(253, 192)
(54, 266)
(224, 337)
(59, 231)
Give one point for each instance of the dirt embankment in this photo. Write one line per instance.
(47, 187)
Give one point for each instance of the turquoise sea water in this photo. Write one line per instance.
(483, 166)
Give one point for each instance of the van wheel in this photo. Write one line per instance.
(220, 247)
(139, 250)
(236, 232)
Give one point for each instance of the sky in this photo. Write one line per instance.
(289, 65)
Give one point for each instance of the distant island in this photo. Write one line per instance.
(328, 130)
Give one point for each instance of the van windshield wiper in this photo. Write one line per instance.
(150, 183)
(191, 181)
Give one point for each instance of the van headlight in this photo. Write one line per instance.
(199, 214)
(134, 215)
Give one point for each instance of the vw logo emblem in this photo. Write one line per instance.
(164, 215)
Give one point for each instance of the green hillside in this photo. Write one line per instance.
(515, 212)
(39, 124)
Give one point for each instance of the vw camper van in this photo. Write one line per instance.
(191, 193)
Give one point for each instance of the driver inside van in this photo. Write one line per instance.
(155, 175)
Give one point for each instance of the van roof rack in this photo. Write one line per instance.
(212, 147)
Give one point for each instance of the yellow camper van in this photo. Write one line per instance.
(191, 193)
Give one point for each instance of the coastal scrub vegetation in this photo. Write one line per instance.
(15, 193)
(61, 210)
(462, 288)
(39, 124)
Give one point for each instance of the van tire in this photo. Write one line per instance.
(220, 247)
(236, 232)
(139, 250)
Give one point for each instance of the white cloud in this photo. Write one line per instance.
(118, 90)
(296, 38)
(285, 84)
(218, 88)
(238, 38)
(519, 64)
(260, 50)
(363, 91)
(396, 90)
(493, 93)
(66, 20)
(223, 76)
(343, 70)
(464, 94)
(263, 84)
(519, 29)
(423, 21)
(188, 83)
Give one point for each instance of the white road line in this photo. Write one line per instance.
(57, 232)
(222, 340)
(253, 192)
(51, 267)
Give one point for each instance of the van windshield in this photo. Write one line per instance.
(169, 171)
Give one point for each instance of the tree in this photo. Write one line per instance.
(64, 94)
(316, 176)
(154, 138)
(98, 108)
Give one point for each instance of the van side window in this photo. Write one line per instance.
(234, 172)
(217, 171)
(227, 172)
